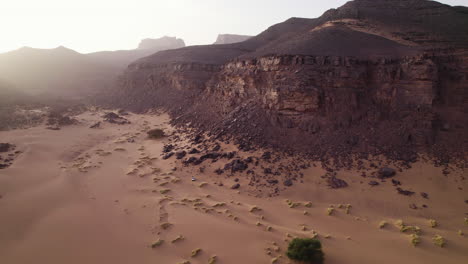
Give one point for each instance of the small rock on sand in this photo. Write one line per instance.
(288, 183)
(386, 172)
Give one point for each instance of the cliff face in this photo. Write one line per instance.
(334, 85)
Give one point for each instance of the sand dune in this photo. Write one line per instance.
(81, 195)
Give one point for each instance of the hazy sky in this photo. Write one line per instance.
(94, 25)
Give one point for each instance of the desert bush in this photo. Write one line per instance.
(414, 239)
(438, 241)
(212, 260)
(157, 243)
(382, 224)
(306, 250)
(195, 252)
(156, 133)
(433, 223)
(177, 239)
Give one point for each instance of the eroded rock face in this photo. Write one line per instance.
(356, 103)
(394, 89)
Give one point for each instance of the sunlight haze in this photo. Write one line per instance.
(95, 25)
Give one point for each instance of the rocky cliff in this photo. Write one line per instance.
(372, 77)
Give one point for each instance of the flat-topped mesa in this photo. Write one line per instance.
(163, 43)
(374, 77)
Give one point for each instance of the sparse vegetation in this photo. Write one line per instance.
(330, 210)
(438, 240)
(178, 238)
(306, 250)
(433, 223)
(382, 224)
(165, 225)
(415, 229)
(414, 239)
(460, 233)
(294, 204)
(399, 223)
(347, 208)
(308, 204)
(157, 243)
(254, 209)
(212, 259)
(164, 191)
(156, 133)
(195, 252)
(175, 180)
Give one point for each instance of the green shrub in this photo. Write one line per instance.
(438, 240)
(305, 249)
(414, 239)
(156, 133)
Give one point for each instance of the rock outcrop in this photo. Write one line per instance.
(372, 77)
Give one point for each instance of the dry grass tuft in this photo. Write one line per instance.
(195, 252)
(157, 243)
(438, 240)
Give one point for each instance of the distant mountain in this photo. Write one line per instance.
(230, 38)
(163, 43)
(62, 71)
(58, 70)
(146, 47)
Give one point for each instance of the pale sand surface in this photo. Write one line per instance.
(68, 199)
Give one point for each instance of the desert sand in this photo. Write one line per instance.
(82, 195)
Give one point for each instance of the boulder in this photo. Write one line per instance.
(168, 155)
(288, 183)
(373, 183)
(5, 147)
(236, 165)
(404, 192)
(180, 154)
(336, 183)
(386, 172)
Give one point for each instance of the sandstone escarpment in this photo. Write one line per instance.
(354, 81)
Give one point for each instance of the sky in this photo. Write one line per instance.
(96, 25)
